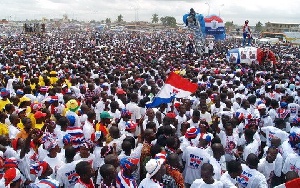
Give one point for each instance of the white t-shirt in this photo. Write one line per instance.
(54, 163)
(273, 132)
(88, 130)
(148, 183)
(194, 157)
(47, 183)
(66, 175)
(267, 169)
(219, 166)
(228, 181)
(200, 183)
(292, 163)
(252, 147)
(90, 158)
(251, 178)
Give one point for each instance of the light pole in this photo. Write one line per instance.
(220, 9)
(208, 7)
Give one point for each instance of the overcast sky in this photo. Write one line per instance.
(230, 10)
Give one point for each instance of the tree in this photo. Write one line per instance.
(258, 26)
(120, 18)
(168, 21)
(155, 18)
(107, 20)
(229, 24)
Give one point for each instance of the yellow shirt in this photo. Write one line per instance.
(3, 129)
(53, 80)
(20, 125)
(33, 120)
(39, 125)
(32, 86)
(3, 103)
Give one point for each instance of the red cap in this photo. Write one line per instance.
(39, 115)
(120, 91)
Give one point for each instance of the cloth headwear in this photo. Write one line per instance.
(11, 162)
(36, 106)
(171, 115)
(11, 175)
(49, 143)
(42, 167)
(153, 166)
(125, 112)
(67, 139)
(72, 105)
(162, 155)
(127, 163)
(72, 120)
(4, 92)
(191, 132)
(129, 125)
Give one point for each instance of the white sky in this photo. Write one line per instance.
(232, 10)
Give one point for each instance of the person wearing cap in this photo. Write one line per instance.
(12, 178)
(42, 94)
(194, 157)
(35, 106)
(105, 120)
(44, 177)
(124, 178)
(155, 170)
(40, 119)
(121, 97)
(4, 93)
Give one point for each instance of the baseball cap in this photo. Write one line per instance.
(261, 106)
(39, 114)
(4, 92)
(120, 91)
(105, 115)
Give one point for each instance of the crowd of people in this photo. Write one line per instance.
(73, 113)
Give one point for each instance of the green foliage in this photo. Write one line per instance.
(168, 21)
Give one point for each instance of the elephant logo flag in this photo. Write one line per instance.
(175, 87)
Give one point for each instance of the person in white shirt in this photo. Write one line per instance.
(268, 166)
(207, 180)
(88, 127)
(250, 176)
(218, 160)
(204, 114)
(66, 174)
(133, 107)
(85, 155)
(194, 121)
(229, 178)
(155, 170)
(181, 117)
(194, 158)
(252, 146)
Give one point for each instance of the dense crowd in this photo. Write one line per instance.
(73, 113)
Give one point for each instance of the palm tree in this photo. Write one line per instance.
(120, 18)
(155, 18)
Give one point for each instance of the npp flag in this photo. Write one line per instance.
(175, 87)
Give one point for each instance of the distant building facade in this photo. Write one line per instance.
(282, 27)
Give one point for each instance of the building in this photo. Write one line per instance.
(282, 27)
